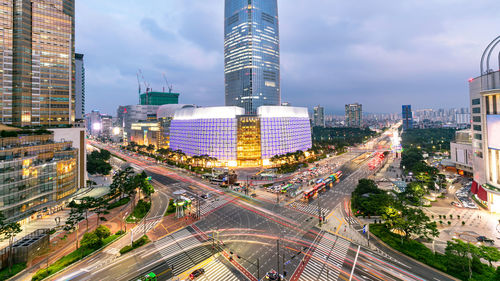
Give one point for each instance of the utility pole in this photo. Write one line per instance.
(258, 269)
(278, 255)
(319, 211)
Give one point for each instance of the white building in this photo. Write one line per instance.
(461, 152)
(485, 111)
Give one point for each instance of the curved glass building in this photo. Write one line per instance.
(251, 54)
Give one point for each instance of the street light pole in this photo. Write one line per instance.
(278, 255)
(319, 211)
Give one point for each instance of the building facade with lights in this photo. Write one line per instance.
(238, 139)
(37, 174)
(37, 62)
(353, 115)
(407, 116)
(251, 54)
(485, 113)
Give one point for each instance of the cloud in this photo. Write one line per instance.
(379, 53)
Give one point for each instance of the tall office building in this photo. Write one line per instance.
(353, 115)
(37, 62)
(319, 116)
(407, 115)
(251, 54)
(79, 87)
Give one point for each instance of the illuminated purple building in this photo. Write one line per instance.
(236, 139)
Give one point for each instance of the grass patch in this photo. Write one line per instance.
(140, 210)
(170, 208)
(420, 252)
(16, 268)
(136, 244)
(71, 258)
(118, 203)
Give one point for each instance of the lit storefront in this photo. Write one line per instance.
(36, 175)
(236, 139)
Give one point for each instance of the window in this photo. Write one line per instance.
(476, 110)
(478, 136)
(476, 101)
(476, 118)
(477, 127)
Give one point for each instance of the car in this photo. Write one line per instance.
(484, 239)
(198, 272)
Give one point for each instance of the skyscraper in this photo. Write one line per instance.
(251, 54)
(37, 62)
(79, 87)
(407, 117)
(353, 115)
(319, 116)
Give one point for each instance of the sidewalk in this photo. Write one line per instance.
(62, 243)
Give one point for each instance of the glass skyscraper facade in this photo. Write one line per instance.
(407, 117)
(251, 54)
(37, 61)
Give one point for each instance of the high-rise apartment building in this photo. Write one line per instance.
(353, 115)
(319, 116)
(407, 115)
(37, 62)
(251, 54)
(79, 87)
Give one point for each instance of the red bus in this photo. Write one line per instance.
(309, 193)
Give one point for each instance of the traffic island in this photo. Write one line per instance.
(136, 244)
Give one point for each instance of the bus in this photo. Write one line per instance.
(148, 277)
(309, 193)
(285, 188)
(319, 187)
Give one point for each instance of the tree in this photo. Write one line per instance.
(491, 254)
(90, 240)
(74, 218)
(102, 232)
(120, 179)
(414, 192)
(411, 222)
(9, 231)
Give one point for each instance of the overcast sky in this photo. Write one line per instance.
(381, 53)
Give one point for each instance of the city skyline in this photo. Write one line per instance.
(185, 40)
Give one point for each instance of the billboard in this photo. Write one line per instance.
(493, 124)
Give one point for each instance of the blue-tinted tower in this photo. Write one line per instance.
(251, 54)
(407, 117)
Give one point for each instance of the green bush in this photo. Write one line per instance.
(90, 240)
(89, 244)
(16, 268)
(140, 210)
(119, 232)
(118, 203)
(136, 244)
(446, 263)
(126, 249)
(170, 208)
(102, 232)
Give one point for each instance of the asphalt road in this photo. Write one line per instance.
(254, 231)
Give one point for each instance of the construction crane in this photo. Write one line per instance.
(146, 84)
(170, 86)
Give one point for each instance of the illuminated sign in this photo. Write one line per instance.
(493, 125)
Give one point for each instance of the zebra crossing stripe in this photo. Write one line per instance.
(217, 271)
(310, 209)
(330, 250)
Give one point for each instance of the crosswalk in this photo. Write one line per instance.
(209, 206)
(182, 251)
(217, 271)
(147, 225)
(327, 259)
(308, 208)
